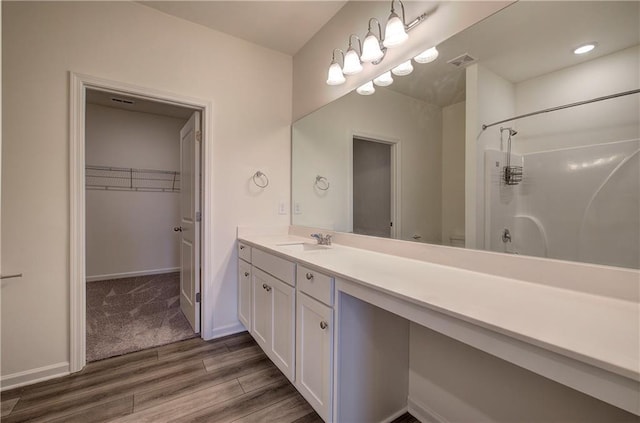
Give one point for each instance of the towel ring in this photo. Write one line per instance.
(260, 175)
(322, 183)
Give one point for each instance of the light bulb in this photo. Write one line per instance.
(371, 49)
(352, 63)
(366, 89)
(394, 33)
(586, 48)
(384, 80)
(427, 56)
(403, 69)
(335, 76)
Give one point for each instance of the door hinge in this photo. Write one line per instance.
(198, 217)
(198, 136)
(198, 297)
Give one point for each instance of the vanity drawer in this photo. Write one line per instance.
(276, 266)
(315, 284)
(244, 252)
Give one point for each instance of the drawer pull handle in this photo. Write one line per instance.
(309, 276)
(324, 325)
(246, 274)
(242, 247)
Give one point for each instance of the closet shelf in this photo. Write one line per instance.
(130, 179)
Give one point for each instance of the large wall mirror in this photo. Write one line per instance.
(412, 161)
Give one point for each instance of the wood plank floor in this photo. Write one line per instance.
(225, 380)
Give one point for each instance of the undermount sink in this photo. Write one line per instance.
(303, 246)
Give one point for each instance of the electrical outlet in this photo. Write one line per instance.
(297, 209)
(282, 208)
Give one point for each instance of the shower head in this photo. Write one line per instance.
(512, 131)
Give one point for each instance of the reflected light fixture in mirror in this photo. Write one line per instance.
(352, 64)
(403, 69)
(395, 32)
(335, 76)
(427, 56)
(371, 51)
(366, 89)
(384, 80)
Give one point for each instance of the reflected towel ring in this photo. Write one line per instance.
(322, 183)
(263, 178)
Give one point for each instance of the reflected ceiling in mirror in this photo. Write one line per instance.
(412, 162)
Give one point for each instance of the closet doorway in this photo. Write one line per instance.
(142, 198)
(374, 179)
(138, 196)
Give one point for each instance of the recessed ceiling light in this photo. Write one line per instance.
(585, 48)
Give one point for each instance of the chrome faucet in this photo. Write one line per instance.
(322, 239)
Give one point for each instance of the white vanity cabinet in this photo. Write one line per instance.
(270, 304)
(314, 339)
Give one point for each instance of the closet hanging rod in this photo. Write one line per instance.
(566, 106)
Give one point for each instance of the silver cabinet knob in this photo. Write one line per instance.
(242, 247)
(178, 229)
(264, 286)
(268, 288)
(246, 274)
(309, 276)
(324, 325)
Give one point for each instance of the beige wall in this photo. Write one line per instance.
(131, 232)
(250, 88)
(311, 63)
(453, 145)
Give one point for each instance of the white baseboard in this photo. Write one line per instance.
(29, 377)
(224, 331)
(131, 274)
(423, 413)
(394, 416)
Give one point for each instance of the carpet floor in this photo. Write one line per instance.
(132, 314)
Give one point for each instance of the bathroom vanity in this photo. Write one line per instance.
(335, 320)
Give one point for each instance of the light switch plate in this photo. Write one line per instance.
(282, 208)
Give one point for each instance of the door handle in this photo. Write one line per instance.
(177, 229)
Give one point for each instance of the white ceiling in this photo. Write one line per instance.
(104, 98)
(284, 26)
(525, 40)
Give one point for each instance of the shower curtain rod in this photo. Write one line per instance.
(566, 106)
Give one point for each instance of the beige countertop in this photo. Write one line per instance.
(600, 331)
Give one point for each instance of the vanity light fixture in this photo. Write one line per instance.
(585, 48)
(427, 56)
(366, 89)
(395, 32)
(384, 80)
(352, 64)
(403, 69)
(335, 76)
(372, 52)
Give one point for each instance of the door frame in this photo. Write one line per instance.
(396, 172)
(78, 84)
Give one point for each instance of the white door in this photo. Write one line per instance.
(283, 331)
(190, 220)
(244, 293)
(261, 316)
(314, 370)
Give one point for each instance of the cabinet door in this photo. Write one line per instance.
(314, 352)
(283, 334)
(262, 309)
(244, 294)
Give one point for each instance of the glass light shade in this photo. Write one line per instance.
(366, 89)
(352, 63)
(384, 80)
(371, 49)
(403, 69)
(427, 56)
(335, 76)
(394, 33)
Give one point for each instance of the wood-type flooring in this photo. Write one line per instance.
(225, 380)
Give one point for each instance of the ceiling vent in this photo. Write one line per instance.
(122, 100)
(462, 60)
